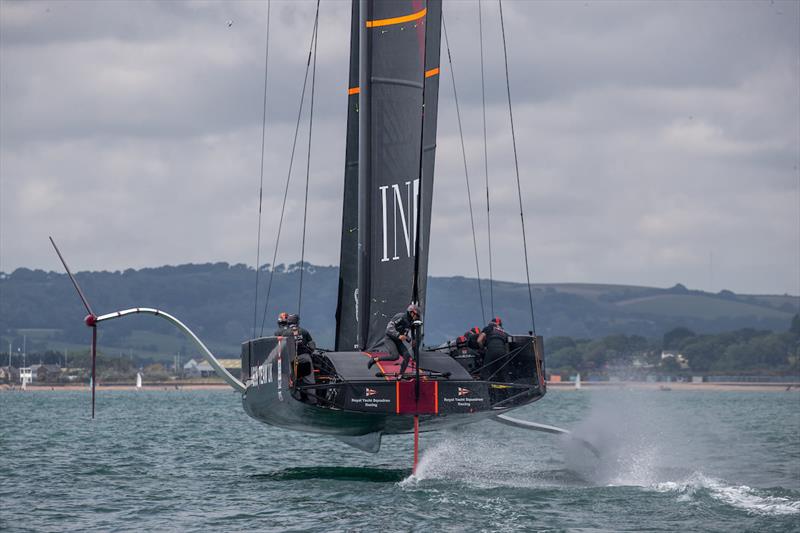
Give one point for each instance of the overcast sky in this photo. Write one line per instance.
(659, 142)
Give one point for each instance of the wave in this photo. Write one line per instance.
(482, 463)
(754, 501)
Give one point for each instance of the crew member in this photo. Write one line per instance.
(471, 338)
(398, 333)
(302, 337)
(468, 350)
(283, 325)
(304, 363)
(495, 340)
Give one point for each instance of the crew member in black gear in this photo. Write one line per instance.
(471, 337)
(303, 338)
(468, 350)
(304, 364)
(495, 340)
(283, 325)
(398, 332)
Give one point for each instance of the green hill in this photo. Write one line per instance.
(217, 302)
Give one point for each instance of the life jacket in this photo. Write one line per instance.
(298, 338)
(471, 338)
(496, 333)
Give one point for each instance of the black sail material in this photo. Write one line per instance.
(392, 76)
(346, 319)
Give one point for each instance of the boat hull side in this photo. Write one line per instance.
(384, 405)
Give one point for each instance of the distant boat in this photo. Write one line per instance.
(578, 381)
(138, 381)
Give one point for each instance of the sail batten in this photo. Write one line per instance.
(391, 81)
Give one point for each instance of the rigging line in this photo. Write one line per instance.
(308, 161)
(516, 168)
(288, 176)
(486, 164)
(466, 171)
(261, 180)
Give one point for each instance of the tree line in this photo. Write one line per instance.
(741, 351)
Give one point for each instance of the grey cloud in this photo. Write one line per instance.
(650, 135)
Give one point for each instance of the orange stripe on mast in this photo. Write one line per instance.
(354, 90)
(396, 20)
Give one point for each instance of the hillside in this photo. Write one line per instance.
(216, 301)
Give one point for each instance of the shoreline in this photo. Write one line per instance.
(681, 386)
(560, 386)
(121, 387)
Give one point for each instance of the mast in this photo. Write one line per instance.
(346, 320)
(364, 175)
(429, 125)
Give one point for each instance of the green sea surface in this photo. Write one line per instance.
(193, 461)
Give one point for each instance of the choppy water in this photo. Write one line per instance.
(169, 460)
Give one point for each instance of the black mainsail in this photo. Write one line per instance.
(396, 47)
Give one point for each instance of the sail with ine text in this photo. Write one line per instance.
(389, 185)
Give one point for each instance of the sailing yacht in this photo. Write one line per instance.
(392, 103)
(392, 107)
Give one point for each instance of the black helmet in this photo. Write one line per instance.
(497, 320)
(413, 309)
(293, 320)
(283, 319)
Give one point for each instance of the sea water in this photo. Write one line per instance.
(193, 461)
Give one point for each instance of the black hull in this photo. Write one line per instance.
(263, 404)
(361, 402)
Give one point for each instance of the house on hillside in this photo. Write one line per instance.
(190, 369)
(201, 369)
(679, 358)
(47, 373)
(9, 375)
(639, 362)
(234, 366)
(205, 369)
(197, 369)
